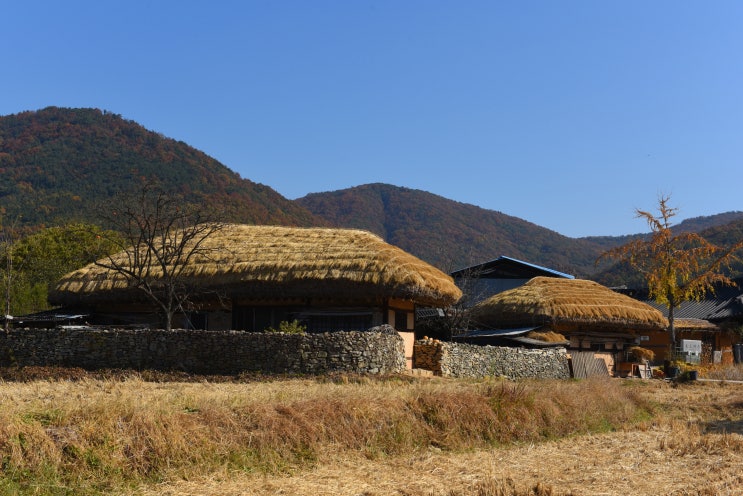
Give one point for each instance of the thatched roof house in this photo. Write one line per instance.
(566, 306)
(284, 273)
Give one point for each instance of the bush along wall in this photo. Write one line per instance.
(467, 360)
(205, 352)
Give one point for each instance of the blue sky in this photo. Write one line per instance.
(569, 114)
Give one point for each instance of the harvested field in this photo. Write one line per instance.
(694, 446)
(117, 433)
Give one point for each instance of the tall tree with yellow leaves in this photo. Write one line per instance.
(677, 267)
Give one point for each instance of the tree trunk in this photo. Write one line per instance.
(672, 331)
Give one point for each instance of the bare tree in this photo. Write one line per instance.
(162, 236)
(454, 320)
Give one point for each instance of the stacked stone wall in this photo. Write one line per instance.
(204, 352)
(467, 360)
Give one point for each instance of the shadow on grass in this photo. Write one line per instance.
(725, 426)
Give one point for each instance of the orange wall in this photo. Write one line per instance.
(409, 340)
(660, 343)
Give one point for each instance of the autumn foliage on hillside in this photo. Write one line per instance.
(450, 234)
(57, 164)
(454, 235)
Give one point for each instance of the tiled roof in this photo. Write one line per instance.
(726, 303)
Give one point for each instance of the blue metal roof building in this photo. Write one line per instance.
(484, 280)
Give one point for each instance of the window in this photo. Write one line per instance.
(401, 320)
(197, 320)
(338, 322)
(257, 319)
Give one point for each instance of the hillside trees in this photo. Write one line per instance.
(162, 234)
(58, 164)
(677, 267)
(34, 262)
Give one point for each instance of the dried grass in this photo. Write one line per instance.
(637, 459)
(102, 435)
(722, 372)
(372, 436)
(564, 304)
(272, 261)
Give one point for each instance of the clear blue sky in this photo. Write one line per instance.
(569, 114)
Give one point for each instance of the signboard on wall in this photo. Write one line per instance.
(691, 346)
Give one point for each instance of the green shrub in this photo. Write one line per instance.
(293, 327)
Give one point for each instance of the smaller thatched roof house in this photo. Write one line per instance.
(598, 322)
(566, 306)
(254, 277)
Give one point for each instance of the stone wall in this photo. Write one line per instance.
(205, 352)
(467, 360)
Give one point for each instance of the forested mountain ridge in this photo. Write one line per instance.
(448, 233)
(722, 235)
(694, 224)
(453, 235)
(57, 164)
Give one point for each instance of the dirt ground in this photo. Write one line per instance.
(694, 448)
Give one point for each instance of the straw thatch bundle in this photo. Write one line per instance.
(641, 354)
(547, 337)
(565, 305)
(270, 262)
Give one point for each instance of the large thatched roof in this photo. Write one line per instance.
(269, 262)
(564, 305)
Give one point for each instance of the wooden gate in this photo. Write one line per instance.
(584, 364)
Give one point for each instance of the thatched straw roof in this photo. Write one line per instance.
(565, 305)
(690, 324)
(269, 262)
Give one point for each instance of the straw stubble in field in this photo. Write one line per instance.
(693, 446)
(367, 436)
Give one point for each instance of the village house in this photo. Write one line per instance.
(592, 318)
(256, 277)
(714, 321)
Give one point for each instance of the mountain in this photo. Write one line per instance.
(453, 235)
(694, 224)
(58, 164)
(447, 233)
(722, 235)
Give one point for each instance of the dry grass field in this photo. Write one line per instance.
(71, 432)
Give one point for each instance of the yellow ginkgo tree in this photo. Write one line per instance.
(677, 267)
